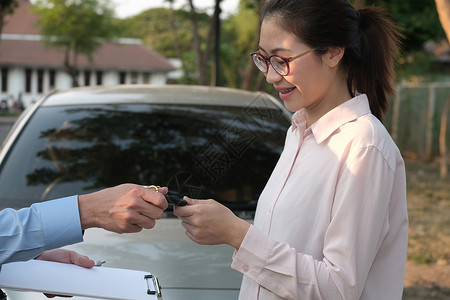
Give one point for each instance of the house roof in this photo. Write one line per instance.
(21, 45)
(22, 21)
(108, 56)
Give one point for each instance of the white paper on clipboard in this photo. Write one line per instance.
(68, 279)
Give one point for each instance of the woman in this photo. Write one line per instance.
(332, 221)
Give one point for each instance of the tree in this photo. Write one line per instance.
(77, 26)
(217, 31)
(174, 35)
(418, 20)
(6, 7)
(202, 57)
(169, 32)
(443, 8)
(247, 8)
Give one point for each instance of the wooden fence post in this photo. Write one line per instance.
(429, 126)
(395, 113)
(442, 139)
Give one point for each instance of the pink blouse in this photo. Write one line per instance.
(332, 221)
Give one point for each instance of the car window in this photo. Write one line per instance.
(225, 153)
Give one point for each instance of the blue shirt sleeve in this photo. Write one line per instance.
(26, 233)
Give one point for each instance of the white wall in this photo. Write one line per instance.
(16, 82)
(110, 78)
(158, 78)
(63, 80)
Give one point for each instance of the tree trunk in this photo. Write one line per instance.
(247, 77)
(442, 139)
(196, 46)
(176, 44)
(216, 29)
(209, 42)
(443, 9)
(70, 68)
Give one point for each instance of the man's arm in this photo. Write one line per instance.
(26, 233)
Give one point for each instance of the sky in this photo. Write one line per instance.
(127, 8)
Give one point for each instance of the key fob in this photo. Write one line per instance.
(174, 198)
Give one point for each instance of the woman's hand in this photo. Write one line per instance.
(207, 222)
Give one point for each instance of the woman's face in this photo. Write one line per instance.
(310, 80)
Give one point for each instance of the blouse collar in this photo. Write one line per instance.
(334, 119)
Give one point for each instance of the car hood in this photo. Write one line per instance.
(185, 270)
(166, 252)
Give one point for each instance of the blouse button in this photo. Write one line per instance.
(245, 268)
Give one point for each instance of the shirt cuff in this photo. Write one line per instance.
(253, 253)
(61, 222)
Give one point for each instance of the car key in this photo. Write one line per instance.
(174, 198)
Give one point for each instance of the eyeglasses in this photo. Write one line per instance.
(279, 63)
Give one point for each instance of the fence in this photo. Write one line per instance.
(418, 117)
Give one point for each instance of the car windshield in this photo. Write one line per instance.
(225, 153)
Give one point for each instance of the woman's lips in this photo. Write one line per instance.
(286, 93)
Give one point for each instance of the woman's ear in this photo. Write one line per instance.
(334, 56)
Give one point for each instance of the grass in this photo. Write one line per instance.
(5, 113)
(429, 213)
(428, 265)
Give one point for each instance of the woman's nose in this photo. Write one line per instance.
(272, 76)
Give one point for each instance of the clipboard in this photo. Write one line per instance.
(71, 280)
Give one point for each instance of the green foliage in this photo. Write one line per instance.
(239, 39)
(154, 28)
(77, 25)
(418, 20)
(417, 66)
(7, 6)
(83, 22)
(241, 30)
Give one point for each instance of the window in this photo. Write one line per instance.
(99, 77)
(134, 77)
(4, 79)
(146, 78)
(40, 80)
(52, 79)
(28, 80)
(122, 77)
(66, 149)
(87, 78)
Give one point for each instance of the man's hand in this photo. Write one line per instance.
(123, 208)
(68, 257)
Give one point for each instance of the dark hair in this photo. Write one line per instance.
(370, 39)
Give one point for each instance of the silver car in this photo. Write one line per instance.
(204, 142)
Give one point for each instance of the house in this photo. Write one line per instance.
(28, 69)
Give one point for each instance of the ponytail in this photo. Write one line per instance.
(375, 75)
